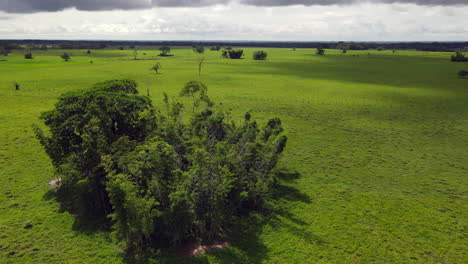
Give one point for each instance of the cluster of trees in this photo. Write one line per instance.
(260, 55)
(232, 53)
(424, 46)
(459, 57)
(161, 180)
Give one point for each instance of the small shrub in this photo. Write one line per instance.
(65, 57)
(320, 52)
(260, 55)
(156, 67)
(28, 56)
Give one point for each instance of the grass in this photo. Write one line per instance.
(376, 165)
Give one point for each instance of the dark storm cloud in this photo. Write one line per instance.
(30, 6)
(347, 2)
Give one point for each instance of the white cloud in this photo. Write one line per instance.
(361, 22)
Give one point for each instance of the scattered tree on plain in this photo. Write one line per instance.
(161, 181)
(28, 56)
(198, 48)
(198, 92)
(135, 54)
(200, 64)
(260, 55)
(156, 67)
(320, 52)
(65, 56)
(165, 50)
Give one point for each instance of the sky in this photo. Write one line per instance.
(265, 20)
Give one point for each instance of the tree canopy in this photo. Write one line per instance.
(159, 179)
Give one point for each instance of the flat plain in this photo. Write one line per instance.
(375, 170)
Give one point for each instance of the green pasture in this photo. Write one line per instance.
(375, 170)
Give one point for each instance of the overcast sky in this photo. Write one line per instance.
(303, 20)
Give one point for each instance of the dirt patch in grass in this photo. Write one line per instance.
(193, 249)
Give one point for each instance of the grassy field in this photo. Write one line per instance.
(375, 169)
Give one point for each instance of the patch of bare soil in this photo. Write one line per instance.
(194, 249)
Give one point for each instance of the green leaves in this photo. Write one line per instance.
(166, 181)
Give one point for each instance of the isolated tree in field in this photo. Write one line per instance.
(28, 56)
(260, 55)
(165, 50)
(17, 86)
(65, 57)
(88, 52)
(198, 92)
(462, 74)
(320, 52)
(200, 64)
(344, 51)
(135, 54)
(156, 67)
(198, 48)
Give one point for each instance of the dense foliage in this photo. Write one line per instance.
(161, 180)
(459, 57)
(260, 55)
(28, 55)
(232, 53)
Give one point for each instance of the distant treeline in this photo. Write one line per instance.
(70, 44)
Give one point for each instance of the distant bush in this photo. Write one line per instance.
(463, 74)
(459, 57)
(215, 48)
(164, 50)
(65, 57)
(28, 56)
(320, 52)
(198, 48)
(260, 55)
(235, 53)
